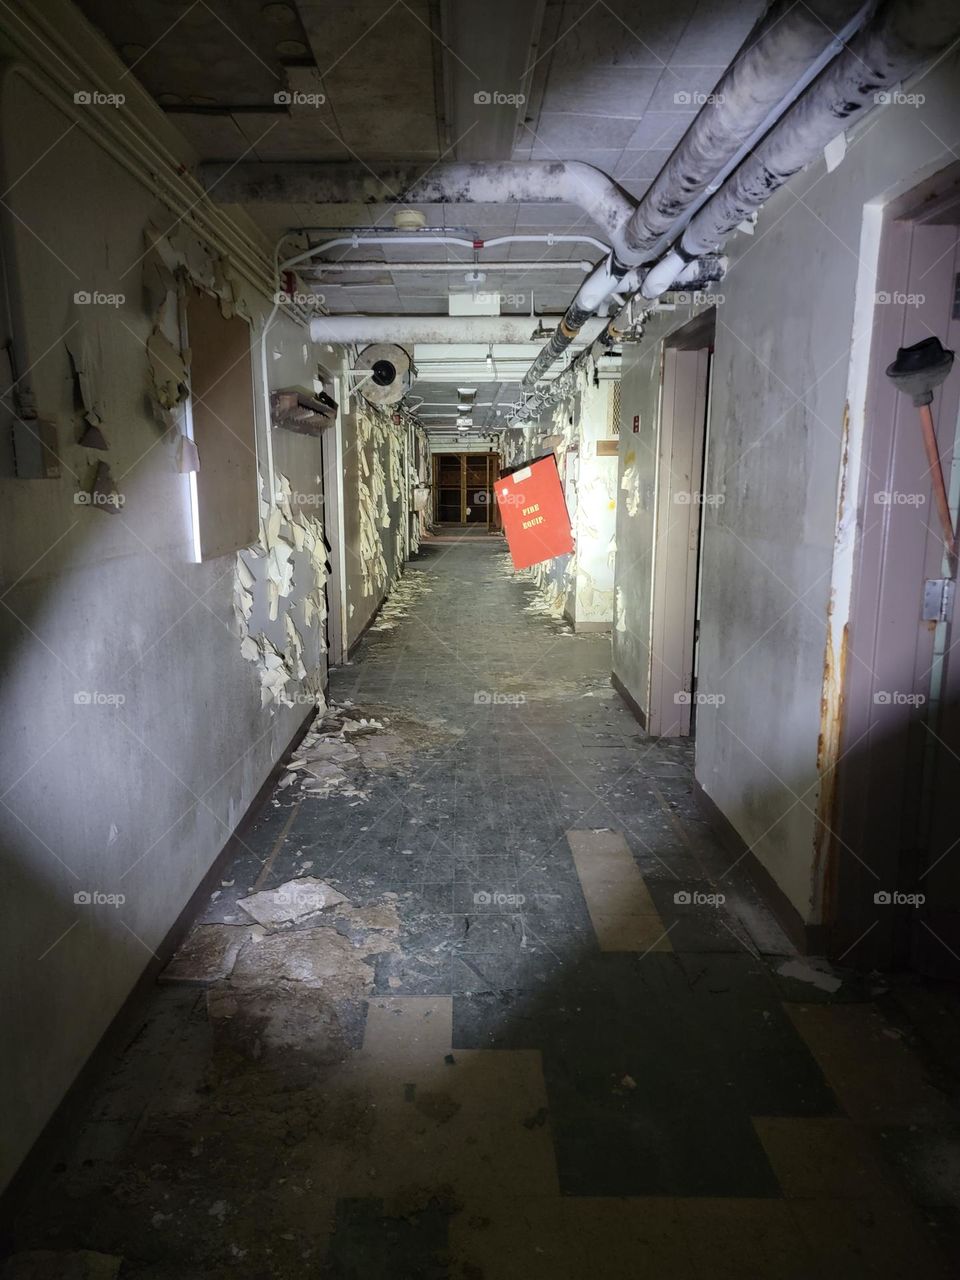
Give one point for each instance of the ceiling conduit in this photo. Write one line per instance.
(783, 54)
(899, 40)
(507, 328)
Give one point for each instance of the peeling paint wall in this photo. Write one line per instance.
(785, 348)
(137, 730)
(578, 586)
(374, 500)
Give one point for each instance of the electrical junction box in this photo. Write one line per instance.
(534, 513)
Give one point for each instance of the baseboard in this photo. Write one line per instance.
(635, 708)
(71, 1110)
(355, 644)
(808, 939)
(593, 628)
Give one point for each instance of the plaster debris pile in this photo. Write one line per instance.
(304, 931)
(346, 745)
(411, 588)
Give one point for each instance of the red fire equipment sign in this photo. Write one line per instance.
(534, 512)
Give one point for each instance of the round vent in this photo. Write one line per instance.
(392, 373)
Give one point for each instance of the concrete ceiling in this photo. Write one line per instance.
(609, 82)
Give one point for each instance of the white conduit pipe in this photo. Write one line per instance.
(425, 238)
(414, 328)
(544, 264)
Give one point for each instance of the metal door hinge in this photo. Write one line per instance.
(938, 599)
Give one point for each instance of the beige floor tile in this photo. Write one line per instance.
(867, 1240)
(731, 1239)
(510, 1239)
(408, 1028)
(875, 1075)
(824, 1157)
(479, 1127)
(622, 911)
(631, 933)
(627, 1239)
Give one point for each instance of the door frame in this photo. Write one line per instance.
(877, 828)
(684, 399)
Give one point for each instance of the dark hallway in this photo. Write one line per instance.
(476, 1032)
(479, 508)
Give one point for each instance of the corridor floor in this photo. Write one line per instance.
(518, 1023)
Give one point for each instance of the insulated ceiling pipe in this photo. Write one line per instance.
(904, 35)
(792, 44)
(896, 43)
(414, 328)
(509, 182)
(593, 293)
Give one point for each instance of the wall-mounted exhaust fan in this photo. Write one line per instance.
(384, 373)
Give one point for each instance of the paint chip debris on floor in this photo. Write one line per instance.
(479, 998)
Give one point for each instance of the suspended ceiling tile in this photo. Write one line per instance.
(602, 91)
(684, 89)
(618, 34)
(716, 33)
(377, 65)
(660, 130)
(374, 298)
(561, 134)
(640, 166)
(422, 305)
(427, 249)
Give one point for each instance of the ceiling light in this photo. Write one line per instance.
(409, 220)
